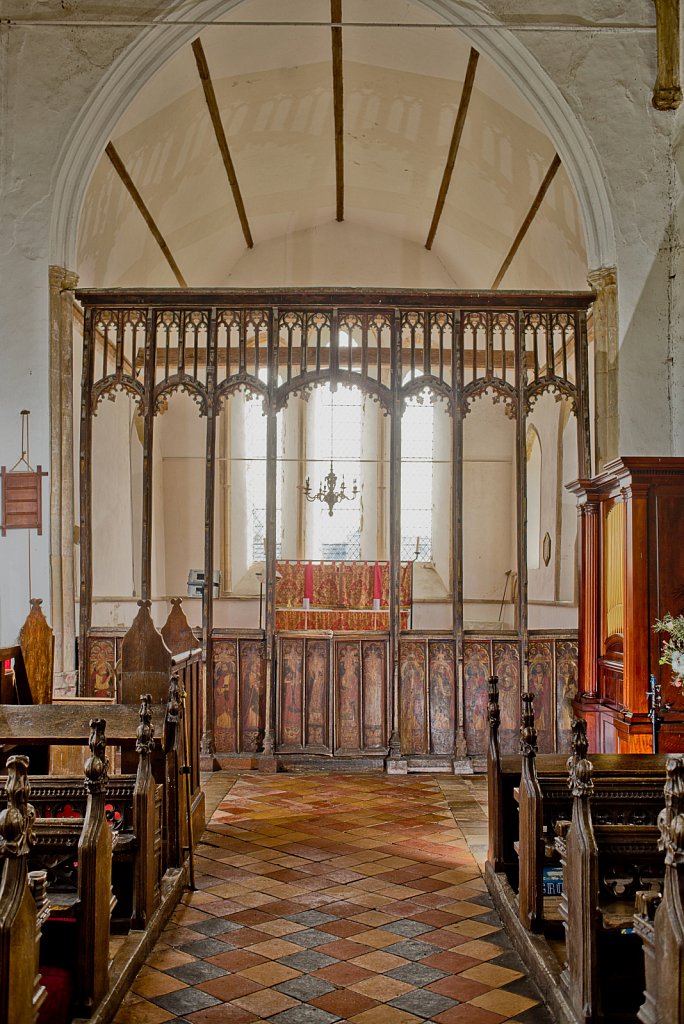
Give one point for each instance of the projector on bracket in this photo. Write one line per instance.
(196, 582)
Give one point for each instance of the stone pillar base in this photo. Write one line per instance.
(268, 764)
(208, 763)
(396, 766)
(462, 766)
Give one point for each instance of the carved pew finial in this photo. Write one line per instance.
(16, 821)
(144, 734)
(671, 818)
(580, 768)
(97, 765)
(528, 732)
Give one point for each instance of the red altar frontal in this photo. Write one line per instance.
(340, 595)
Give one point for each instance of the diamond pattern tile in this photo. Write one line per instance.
(324, 899)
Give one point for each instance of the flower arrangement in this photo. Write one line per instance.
(672, 651)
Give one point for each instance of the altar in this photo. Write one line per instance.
(339, 595)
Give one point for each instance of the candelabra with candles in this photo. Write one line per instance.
(327, 491)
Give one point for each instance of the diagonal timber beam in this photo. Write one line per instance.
(215, 115)
(455, 143)
(529, 217)
(338, 103)
(121, 170)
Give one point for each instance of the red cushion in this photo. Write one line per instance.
(56, 1008)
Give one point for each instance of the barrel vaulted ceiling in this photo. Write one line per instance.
(401, 90)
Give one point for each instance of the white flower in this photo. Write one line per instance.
(678, 663)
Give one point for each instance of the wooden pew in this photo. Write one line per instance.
(602, 868)
(135, 802)
(529, 793)
(659, 917)
(21, 992)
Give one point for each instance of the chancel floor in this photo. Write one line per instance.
(325, 898)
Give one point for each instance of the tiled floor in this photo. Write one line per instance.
(326, 898)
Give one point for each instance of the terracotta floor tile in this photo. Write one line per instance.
(451, 962)
(492, 975)
(274, 949)
(382, 988)
(150, 983)
(236, 960)
(384, 1015)
(230, 986)
(472, 929)
(344, 928)
(344, 974)
(378, 961)
(458, 987)
(344, 1003)
(223, 1013)
(269, 974)
(142, 1012)
(505, 1003)
(342, 949)
(265, 1003)
(466, 1013)
(479, 949)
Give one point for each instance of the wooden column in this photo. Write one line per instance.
(148, 467)
(460, 761)
(521, 493)
(589, 550)
(268, 761)
(395, 764)
(583, 416)
(85, 475)
(207, 745)
(605, 333)
(62, 513)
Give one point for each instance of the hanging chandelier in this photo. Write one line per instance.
(327, 490)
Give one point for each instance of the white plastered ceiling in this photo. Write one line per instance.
(273, 84)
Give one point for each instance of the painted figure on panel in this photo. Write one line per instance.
(566, 689)
(441, 662)
(476, 674)
(348, 684)
(506, 666)
(102, 676)
(540, 683)
(291, 697)
(373, 694)
(316, 678)
(412, 690)
(225, 689)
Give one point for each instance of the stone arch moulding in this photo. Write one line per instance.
(151, 49)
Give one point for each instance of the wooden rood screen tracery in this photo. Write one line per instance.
(393, 345)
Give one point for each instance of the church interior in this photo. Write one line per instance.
(341, 495)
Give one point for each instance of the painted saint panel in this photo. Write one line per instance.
(540, 683)
(476, 672)
(317, 694)
(507, 668)
(442, 691)
(412, 704)
(252, 694)
(101, 667)
(374, 658)
(291, 686)
(348, 675)
(567, 668)
(225, 662)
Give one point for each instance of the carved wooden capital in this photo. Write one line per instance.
(528, 732)
(16, 821)
(144, 734)
(97, 765)
(671, 818)
(580, 768)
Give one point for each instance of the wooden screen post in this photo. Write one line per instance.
(207, 745)
(395, 764)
